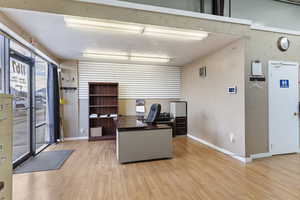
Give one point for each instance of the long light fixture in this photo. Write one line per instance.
(148, 30)
(106, 56)
(150, 59)
(175, 33)
(87, 23)
(133, 57)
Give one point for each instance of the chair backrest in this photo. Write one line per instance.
(154, 113)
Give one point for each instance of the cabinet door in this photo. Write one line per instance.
(181, 125)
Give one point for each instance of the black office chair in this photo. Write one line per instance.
(154, 113)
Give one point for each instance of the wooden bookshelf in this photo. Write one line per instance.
(103, 100)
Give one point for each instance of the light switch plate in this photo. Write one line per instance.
(256, 69)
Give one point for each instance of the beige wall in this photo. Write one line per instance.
(70, 110)
(213, 114)
(262, 46)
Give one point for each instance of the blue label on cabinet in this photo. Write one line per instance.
(284, 84)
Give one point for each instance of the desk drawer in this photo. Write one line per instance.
(181, 131)
(180, 120)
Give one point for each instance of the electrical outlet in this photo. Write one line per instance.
(1, 185)
(82, 130)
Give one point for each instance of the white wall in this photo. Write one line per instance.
(213, 114)
(268, 12)
(190, 5)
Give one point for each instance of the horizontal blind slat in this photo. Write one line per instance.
(136, 81)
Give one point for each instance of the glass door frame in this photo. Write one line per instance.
(30, 62)
(6, 53)
(35, 125)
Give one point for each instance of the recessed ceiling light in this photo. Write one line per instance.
(86, 23)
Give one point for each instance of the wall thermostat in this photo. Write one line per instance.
(232, 90)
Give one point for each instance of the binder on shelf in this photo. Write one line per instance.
(93, 116)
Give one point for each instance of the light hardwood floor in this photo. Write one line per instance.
(195, 173)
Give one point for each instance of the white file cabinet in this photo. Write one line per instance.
(5, 147)
(178, 109)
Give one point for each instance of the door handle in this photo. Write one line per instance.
(295, 114)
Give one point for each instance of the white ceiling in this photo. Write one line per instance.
(69, 43)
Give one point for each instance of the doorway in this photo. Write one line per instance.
(28, 85)
(20, 87)
(283, 107)
(42, 135)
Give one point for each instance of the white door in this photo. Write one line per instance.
(283, 107)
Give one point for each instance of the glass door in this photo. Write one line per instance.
(28, 85)
(20, 87)
(42, 136)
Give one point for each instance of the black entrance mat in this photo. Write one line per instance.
(45, 161)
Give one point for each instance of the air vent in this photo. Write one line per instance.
(297, 2)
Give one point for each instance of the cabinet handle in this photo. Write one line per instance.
(295, 113)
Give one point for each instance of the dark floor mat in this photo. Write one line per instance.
(44, 161)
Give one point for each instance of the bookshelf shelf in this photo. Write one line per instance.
(103, 100)
(103, 95)
(103, 106)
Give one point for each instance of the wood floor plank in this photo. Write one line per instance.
(195, 173)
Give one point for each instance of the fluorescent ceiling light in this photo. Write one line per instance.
(150, 59)
(86, 23)
(163, 32)
(134, 57)
(175, 33)
(105, 56)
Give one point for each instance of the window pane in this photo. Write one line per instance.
(41, 90)
(19, 88)
(20, 49)
(1, 78)
(42, 136)
(1, 64)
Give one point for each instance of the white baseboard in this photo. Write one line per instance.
(240, 158)
(261, 155)
(76, 138)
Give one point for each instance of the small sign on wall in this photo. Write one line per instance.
(284, 84)
(232, 90)
(202, 72)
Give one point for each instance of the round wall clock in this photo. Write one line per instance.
(283, 44)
